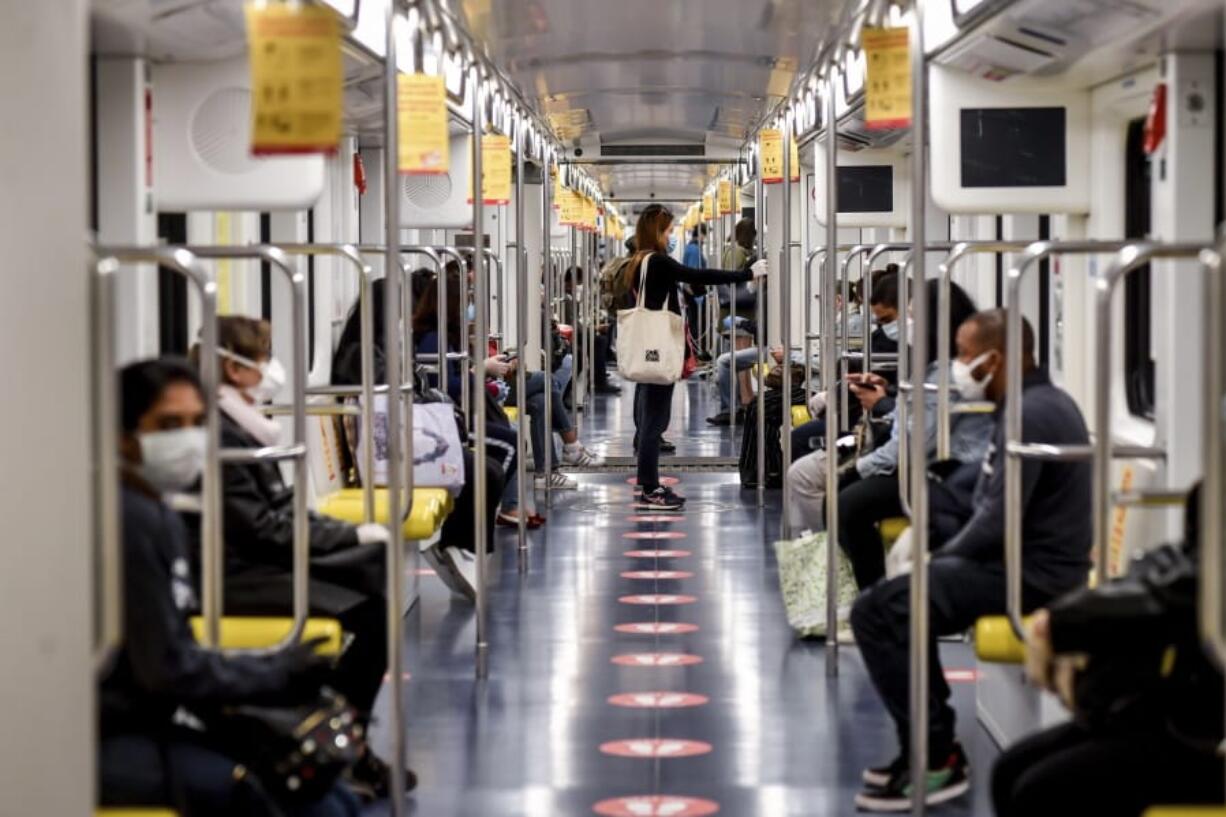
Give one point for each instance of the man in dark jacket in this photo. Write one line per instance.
(967, 575)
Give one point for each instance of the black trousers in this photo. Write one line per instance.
(960, 591)
(459, 530)
(1067, 771)
(863, 504)
(653, 404)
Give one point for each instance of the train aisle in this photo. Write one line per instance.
(643, 666)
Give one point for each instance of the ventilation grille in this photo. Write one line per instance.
(653, 150)
(220, 131)
(427, 192)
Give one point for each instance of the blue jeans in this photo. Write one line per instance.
(502, 443)
(541, 431)
(745, 359)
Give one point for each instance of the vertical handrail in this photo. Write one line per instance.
(301, 548)
(392, 354)
(906, 389)
(814, 254)
(785, 330)
(444, 342)
(1014, 451)
(1129, 259)
(108, 262)
(480, 341)
(1212, 510)
(521, 346)
(548, 258)
(576, 339)
(760, 312)
(829, 379)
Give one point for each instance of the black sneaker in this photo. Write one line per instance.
(721, 419)
(370, 778)
(607, 388)
(666, 447)
(947, 782)
(880, 776)
(661, 499)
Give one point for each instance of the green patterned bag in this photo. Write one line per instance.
(802, 581)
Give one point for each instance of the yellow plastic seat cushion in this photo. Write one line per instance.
(135, 812)
(892, 528)
(259, 632)
(996, 643)
(430, 509)
(800, 415)
(1186, 811)
(512, 413)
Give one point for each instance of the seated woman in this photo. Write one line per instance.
(453, 558)
(1127, 660)
(146, 759)
(347, 561)
(425, 329)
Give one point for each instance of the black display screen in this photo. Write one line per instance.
(1013, 147)
(866, 189)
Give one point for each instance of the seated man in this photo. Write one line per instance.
(967, 574)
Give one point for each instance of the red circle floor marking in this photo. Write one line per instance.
(658, 700)
(656, 659)
(654, 534)
(665, 481)
(658, 554)
(955, 676)
(404, 676)
(651, 517)
(655, 747)
(656, 628)
(655, 805)
(658, 598)
(657, 574)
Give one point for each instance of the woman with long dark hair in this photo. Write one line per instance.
(662, 280)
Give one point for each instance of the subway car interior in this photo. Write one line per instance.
(772, 407)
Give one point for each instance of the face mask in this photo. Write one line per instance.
(171, 460)
(891, 330)
(964, 379)
(672, 243)
(471, 312)
(272, 376)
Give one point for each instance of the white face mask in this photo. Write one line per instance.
(171, 460)
(891, 330)
(272, 376)
(964, 379)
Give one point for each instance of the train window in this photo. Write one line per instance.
(1138, 347)
(866, 189)
(172, 290)
(1013, 147)
(266, 281)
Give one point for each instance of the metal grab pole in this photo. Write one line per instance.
(521, 346)
(108, 520)
(1128, 260)
(814, 254)
(392, 352)
(734, 390)
(480, 341)
(296, 451)
(905, 390)
(548, 259)
(945, 331)
(829, 350)
(1212, 510)
(760, 310)
(576, 340)
(919, 465)
(785, 331)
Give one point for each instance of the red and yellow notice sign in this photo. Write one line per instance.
(725, 197)
(770, 155)
(495, 170)
(708, 207)
(421, 109)
(570, 208)
(887, 86)
(297, 79)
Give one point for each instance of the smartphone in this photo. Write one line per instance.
(510, 355)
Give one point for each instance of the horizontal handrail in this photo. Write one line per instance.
(270, 453)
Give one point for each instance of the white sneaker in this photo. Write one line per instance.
(581, 457)
(557, 482)
(456, 571)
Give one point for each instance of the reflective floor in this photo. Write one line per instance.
(569, 722)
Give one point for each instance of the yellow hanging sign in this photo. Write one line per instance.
(421, 112)
(736, 206)
(495, 170)
(297, 79)
(725, 197)
(770, 153)
(708, 207)
(559, 190)
(570, 208)
(887, 85)
(794, 167)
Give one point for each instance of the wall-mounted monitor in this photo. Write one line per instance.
(1019, 146)
(873, 187)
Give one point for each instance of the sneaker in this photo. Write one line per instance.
(721, 419)
(880, 776)
(371, 779)
(608, 388)
(457, 569)
(945, 783)
(581, 457)
(666, 447)
(557, 482)
(661, 499)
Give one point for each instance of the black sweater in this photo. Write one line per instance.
(664, 275)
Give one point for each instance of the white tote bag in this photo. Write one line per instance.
(438, 454)
(650, 342)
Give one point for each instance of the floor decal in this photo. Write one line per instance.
(655, 517)
(656, 659)
(655, 805)
(654, 534)
(655, 747)
(656, 628)
(667, 482)
(658, 554)
(961, 676)
(658, 700)
(657, 574)
(658, 598)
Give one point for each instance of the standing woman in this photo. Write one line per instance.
(653, 401)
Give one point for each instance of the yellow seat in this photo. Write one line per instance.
(258, 632)
(512, 413)
(800, 415)
(996, 643)
(430, 509)
(892, 528)
(1186, 811)
(135, 812)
